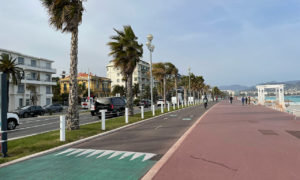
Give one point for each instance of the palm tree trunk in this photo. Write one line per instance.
(177, 99)
(185, 94)
(73, 115)
(7, 83)
(129, 97)
(164, 90)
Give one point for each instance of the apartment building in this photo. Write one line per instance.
(140, 75)
(99, 86)
(36, 85)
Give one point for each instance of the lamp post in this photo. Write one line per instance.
(151, 49)
(189, 85)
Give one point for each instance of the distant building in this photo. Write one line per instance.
(100, 86)
(140, 75)
(36, 87)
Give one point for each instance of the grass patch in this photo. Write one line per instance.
(29, 145)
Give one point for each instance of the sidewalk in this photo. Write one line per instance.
(235, 142)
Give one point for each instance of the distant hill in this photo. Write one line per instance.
(235, 87)
(288, 84)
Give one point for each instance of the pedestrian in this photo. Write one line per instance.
(231, 98)
(249, 99)
(205, 101)
(243, 100)
(246, 100)
(217, 98)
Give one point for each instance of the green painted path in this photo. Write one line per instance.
(82, 164)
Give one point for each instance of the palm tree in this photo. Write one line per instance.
(159, 71)
(8, 65)
(136, 90)
(184, 82)
(126, 52)
(173, 71)
(66, 16)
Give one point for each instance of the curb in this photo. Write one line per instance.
(86, 139)
(155, 169)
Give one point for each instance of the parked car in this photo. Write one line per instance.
(115, 106)
(30, 111)
(12, 121)
(160, 102)
(145, 103)
(53, 108)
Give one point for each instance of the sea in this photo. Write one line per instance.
(291, 100)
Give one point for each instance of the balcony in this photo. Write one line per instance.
(38, 82)
(37, 68)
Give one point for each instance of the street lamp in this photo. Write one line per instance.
(189, 85)
(151, 49)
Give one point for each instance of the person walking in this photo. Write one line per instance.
(243, 100)
(246, 100)
(230, 99)
(205, 101)
(249, 99)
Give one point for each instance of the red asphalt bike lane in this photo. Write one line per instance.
(235, 142)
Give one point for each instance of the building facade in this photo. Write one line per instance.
(99, 86)
(140, 75)
(35, 87)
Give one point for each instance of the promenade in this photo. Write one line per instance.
(235, 142)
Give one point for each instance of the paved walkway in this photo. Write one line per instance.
(234, 142)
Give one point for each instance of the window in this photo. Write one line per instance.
(33, 76)
(27, 102)
(83, 84)
(48, 65)
(48, 101)
(98, 84)
(48, 77)
(21, 88)
(20, 60)
(65, 87)
(135, 79)
(118, 74)
(20, 102)
(33, 63)
(48, 89)
(118, 80)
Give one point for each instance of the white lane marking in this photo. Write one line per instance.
(75, 152)
(148, 156)
(105, 153)
(136, 155)
(126, 154)
(112, 153)
(33, 126)
(95, 153)
(65, 151)
(85, 152)
(186, 119)
(116, 154)
(165, 118)
(158, 127)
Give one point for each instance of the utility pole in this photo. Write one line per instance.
(189, 84)
(89, 90)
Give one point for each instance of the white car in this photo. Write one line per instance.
(12, 121)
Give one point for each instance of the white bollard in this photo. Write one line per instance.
(62, 128)
(142, 112)
(153, 110)
(126, 115)
(103, 119)
(162, 108)
(168, 107)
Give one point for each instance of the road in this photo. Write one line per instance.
(126, 154)
(41, 124)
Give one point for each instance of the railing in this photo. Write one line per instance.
(40, 67)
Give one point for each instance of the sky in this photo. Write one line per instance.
(226, 41)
